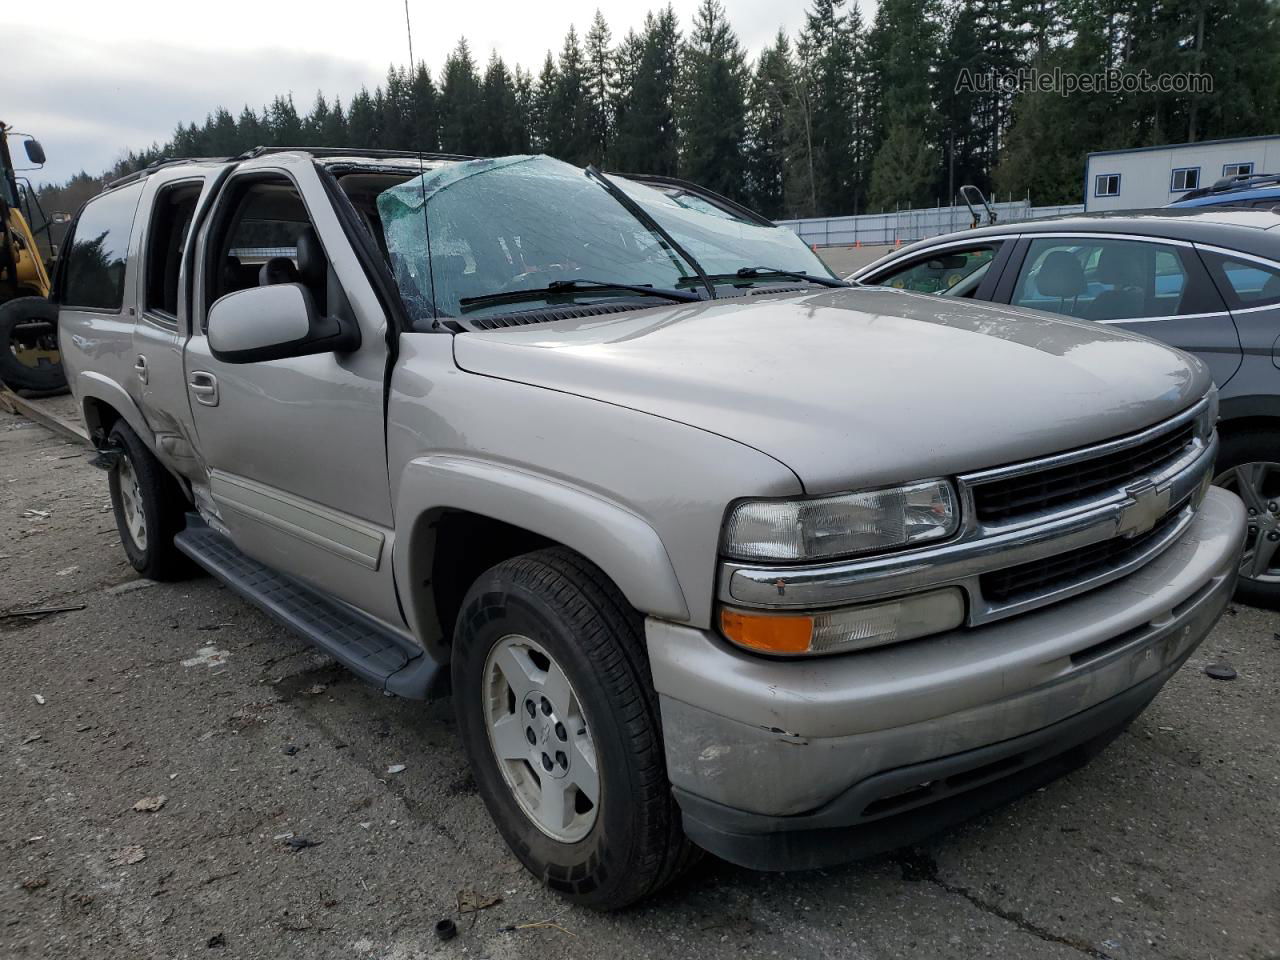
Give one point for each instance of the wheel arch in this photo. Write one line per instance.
(458, 516)
(102, 403)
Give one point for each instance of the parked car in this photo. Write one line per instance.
(711, 549)
(1207, 281)
(1260, 190)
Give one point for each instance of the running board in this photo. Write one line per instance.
(364, 647)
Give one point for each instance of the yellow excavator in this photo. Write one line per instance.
(28, 321)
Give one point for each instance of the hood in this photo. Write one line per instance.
(858, 387)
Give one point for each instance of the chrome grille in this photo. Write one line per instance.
(1005, 500)
(1039, 577)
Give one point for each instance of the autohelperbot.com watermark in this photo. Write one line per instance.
(1066, 83)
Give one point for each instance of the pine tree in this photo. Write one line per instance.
(284, 122)
(313, 125)
(567, 121)
(424, 117)
(460, 102)
(396, 111)
(647, 137)
(765, 142)
(334, 133)
(713, 104)
(501, 125)
(544, 93)
(830, 55)
(249, 130)
(601, 80)
(362, 120)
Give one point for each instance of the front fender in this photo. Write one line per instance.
(614, 538)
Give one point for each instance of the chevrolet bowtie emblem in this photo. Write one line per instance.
(1144, 512)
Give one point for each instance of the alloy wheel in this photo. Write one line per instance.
(540, 738)
(1258, 485)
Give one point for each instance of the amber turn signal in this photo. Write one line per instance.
(768, 633)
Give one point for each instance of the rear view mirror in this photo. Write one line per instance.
(35, 152)
(274, 322)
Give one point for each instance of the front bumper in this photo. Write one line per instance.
(791, 764)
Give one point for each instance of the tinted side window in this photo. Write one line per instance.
(1099, 279)
(96, 261)
(171, 215)
(939, 272)
(1245, 283)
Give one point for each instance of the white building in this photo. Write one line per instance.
(1154, 176)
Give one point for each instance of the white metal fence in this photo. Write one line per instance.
(908, 225)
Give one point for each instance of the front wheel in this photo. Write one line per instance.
(557, 713)
(1248, 467)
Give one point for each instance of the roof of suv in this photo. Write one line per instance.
(1250, 231)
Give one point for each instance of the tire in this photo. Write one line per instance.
(149, 507)
(28, 323)
(1249, 466)
(553, 609)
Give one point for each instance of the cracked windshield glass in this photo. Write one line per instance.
(519, 225)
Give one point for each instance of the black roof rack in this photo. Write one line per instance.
(155, 165)
(1243, 181)
(352, 152)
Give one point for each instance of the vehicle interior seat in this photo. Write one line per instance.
(277, 270)
(1061, 276)
(1120, 267)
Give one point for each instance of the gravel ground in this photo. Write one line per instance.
(1165, 846)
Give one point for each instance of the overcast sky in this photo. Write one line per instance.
(93, 78)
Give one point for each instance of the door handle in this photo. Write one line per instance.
(204, 386)
(140, 368)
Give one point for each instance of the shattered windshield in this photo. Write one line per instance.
(526, 223)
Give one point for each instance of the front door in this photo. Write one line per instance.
(293, 449)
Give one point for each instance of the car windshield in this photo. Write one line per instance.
(522, 224)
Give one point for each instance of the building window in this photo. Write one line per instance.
(1107, 185)
(1237, 169)
(1185, 178)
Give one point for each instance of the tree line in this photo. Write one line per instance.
(846, 117)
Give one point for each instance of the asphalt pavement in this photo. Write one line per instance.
(179, 777)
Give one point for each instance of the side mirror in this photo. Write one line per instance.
(60, 216)
(35, 152)
(271, 323)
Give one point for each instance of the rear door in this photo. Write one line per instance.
(1158, 288)
(1251, 286)
(159, 384)
(294, 450)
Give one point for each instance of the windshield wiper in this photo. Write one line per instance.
(750, 273)
(632, 207)
(559, 287)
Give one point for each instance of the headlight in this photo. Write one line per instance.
(846, 629)
(1208, 420)
(846, 523)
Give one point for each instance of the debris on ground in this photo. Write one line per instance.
(472, 901)
(315, 689)
(289, 749)
(39, 698)
(151, 804)
(35, 613)
(446, 929)
(217, 940)
(397, 768)
(34, 883)
(207, 657)
(539, 925)
(1220, 671)
(301, 843)
(126, 856)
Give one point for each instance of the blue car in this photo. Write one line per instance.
(1261, 190)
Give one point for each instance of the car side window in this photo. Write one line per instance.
(264, 236)
(942, 271)
(1245, 283)
(1102, 279)
(171, 216)
(93, 277)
